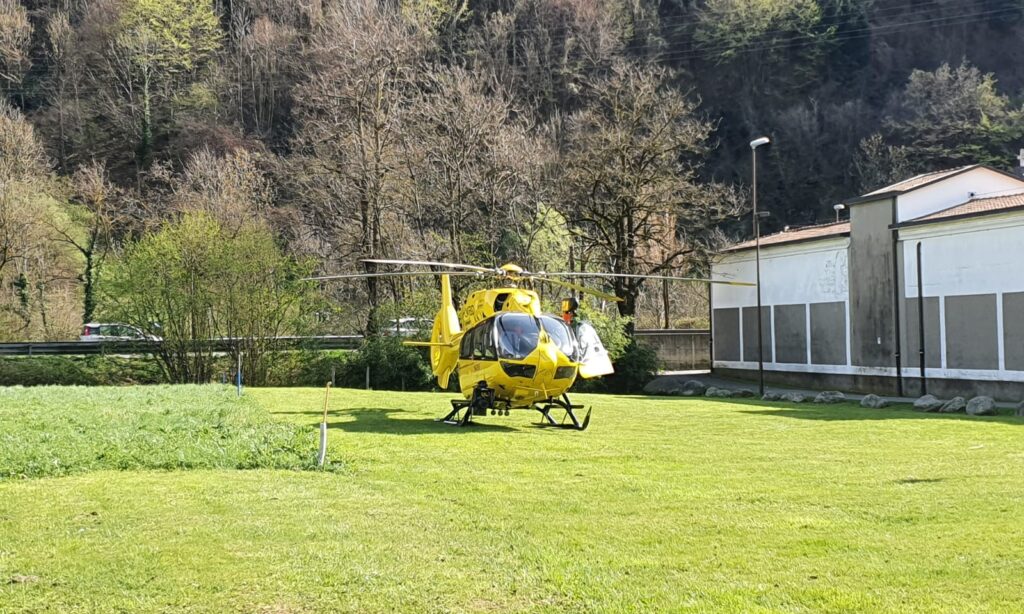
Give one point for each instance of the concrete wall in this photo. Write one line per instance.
(804, 313)
(678, 350)
(974, 299)
(872, 299)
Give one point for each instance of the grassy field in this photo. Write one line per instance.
(663, 505)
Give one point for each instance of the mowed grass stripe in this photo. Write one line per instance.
(663, 505)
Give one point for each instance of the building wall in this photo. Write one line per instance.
(954, 191)
(804, 307)
(973, 289)
(836, 310)
(872, 294)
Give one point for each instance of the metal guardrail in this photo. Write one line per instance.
(78, 348)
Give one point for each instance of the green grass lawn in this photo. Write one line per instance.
(664, 504)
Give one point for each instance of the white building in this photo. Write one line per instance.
(840, 304)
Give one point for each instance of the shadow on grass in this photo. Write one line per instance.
(380, 420)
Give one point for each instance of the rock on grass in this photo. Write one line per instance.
(830, 396)
(981, 406)
(953, 406)
(928, 403)
(873, 401)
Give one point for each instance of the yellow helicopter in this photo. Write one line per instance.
(508, 354)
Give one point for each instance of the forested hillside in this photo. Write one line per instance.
(584, 134)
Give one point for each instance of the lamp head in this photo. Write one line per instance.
(838, 207)
(758, 142)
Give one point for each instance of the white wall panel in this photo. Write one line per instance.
(944, 194)
(812, 272)
(980, 256)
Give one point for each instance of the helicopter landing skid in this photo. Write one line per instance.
(564, 404)
(463, 410)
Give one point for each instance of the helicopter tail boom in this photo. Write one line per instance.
(444, 352)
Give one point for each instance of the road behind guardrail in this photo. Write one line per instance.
(79, 348)
(676, 349)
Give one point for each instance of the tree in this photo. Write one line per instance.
(194, 281)
(231, 189)
(953, 116)
(631, 179)
(367, 60)
(88, 228)
(750, 37)
(15, 39)
(450, 149)
(154, 47)
(37, 289)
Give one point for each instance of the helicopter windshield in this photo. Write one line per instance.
(517, 335)
(561, 335)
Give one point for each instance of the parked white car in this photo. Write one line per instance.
(95, 331)
(408, 327)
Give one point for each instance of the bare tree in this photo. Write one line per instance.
(15, 40)
(366, 61)
(630, 178)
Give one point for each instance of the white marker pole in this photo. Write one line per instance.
(322, 455)
(238, 375)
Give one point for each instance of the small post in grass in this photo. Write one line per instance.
(238, 375)
(322, 456)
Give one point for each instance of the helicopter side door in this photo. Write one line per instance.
(594, 359)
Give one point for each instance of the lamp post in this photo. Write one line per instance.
(838, 208)
(757, 260)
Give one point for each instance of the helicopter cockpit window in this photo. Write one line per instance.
(561, 335)
(517, 335)
(478, 343)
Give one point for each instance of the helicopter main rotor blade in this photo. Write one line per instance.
(449, 265)
(668, 277)
(584, 289)
(390, 274)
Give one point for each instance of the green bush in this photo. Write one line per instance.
(636, 366)
(304, 367)
(393, 366)
(78, 371)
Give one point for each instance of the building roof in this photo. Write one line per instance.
(918, 181)
(926, 179)
(973, 207)
(797, 235)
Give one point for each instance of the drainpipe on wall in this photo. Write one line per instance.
(897, 294)
(920, 320)
(711, 329)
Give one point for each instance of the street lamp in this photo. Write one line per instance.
(757, 260)
(838, 208)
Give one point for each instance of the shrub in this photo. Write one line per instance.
(637, 365)
(393, 366)
(78, 371)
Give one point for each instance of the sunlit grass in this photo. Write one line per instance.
(57, 431)
(662, 505)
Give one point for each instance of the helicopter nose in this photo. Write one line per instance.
(547, 360)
